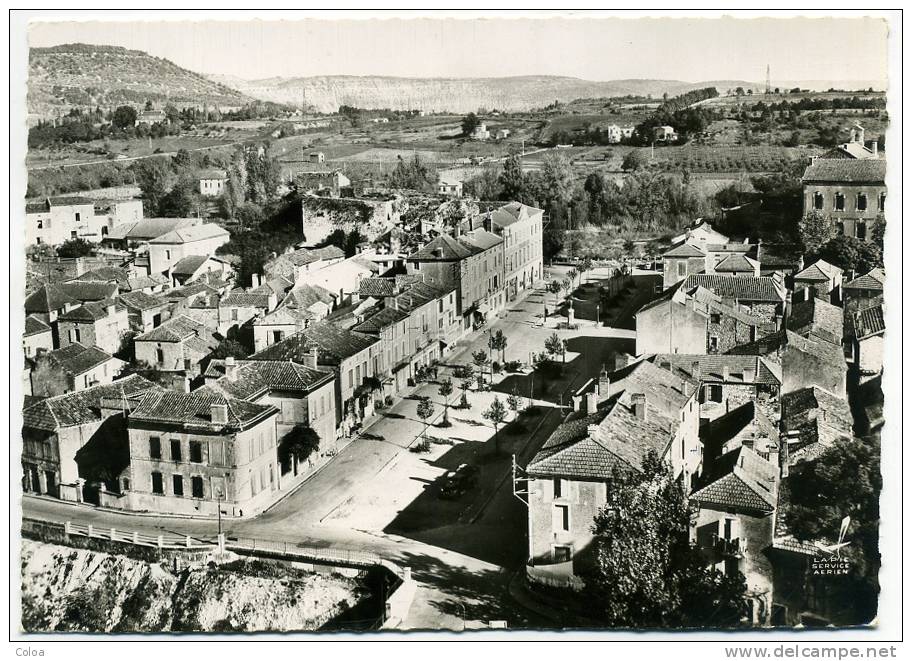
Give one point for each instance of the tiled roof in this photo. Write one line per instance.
(334, 345)
(711, 367)
(742, 287)
(278, 286)
(736, 263)
(739, 480)
(212, 174)
(194, 410)
(189, 265)
(817, 317)
(306, 295)
(873, 280)
(819, 271)
(82, 407)
(192, 233)
(717, 432)
(846, 170)
(382, 319)
(328, 252)
(52, 297)
(105, 274)
(145, 282)
(442, 248)
(244, 299)
(416, 295)
(284, 316)
(140, 300)
(256, 377)
(185, 292)
(817, 418)
(597, 446)
(151, 228)
(868, 322)
(77, 359)
(737, 247)
(176, 329)
(34, 325)
(479, 240)
(377, 287)
(684, 250)
(93, 311)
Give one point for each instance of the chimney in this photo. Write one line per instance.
(577, 402)
(592, 431)
(591, 402)
(219, 413)
(695, 370)
(725, 373)
(686, 388)
(186, 385)
(310, 358)
(638, 402)
(759, 248)
(230, 368)
(110, 309)
(859, 134)
(604, 384)
(874, 147)
(750, 373)
(272, 301)
(255, 280)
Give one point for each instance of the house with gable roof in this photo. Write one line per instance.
(71, 368)
(734, 520)
(865, 353)
(849, 192)
(178, 345)
(616, 422)
(169, 249)
(37, 336)
(821, 280)
(196, 453)
(104, 324)
(68, 438)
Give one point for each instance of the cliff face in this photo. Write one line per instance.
(68, 589)
(327, 93)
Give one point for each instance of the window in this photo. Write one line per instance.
(818, 201)
(560, 488)
(196, 486)
(839, 228)
(175, 449)
(38, 240)
(159, 356)
(155, 451)
(178, 481)
(682, 268)
(78, 217)
(126, 484)
(713, 343)
(840, 202)
(881, 201)
(234, 314)
(715, 318)
(75, 335)
(561, 554)
(351, 378)
(861, 231)
(167, 254)
(715, 393)
(277, 336)
(41, 224)
(104, 230)
(861, 202)
(560, 518)
(157, 486)
(196, 452)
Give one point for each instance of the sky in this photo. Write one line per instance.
(796, 49)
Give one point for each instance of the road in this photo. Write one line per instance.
(462, 570)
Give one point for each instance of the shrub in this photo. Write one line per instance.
(421, 446)
(512, 365)
(388, 400)
(495, 367)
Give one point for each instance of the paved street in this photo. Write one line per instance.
(374, 494)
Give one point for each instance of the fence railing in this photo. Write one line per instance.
(163, 541)
(329, 555)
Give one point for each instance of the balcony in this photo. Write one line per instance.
(732, 548)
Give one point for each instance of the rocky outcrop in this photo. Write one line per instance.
(69, 589)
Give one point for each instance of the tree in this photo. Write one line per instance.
(230, 348)
(595, 192)
(584, 267)
(557, 176)
(844, 481)
(124, 117)
(815, 230)
(445, 390)
(566, 285)
(496, 414)
(498, 342)
(512, 181)
(182, 201)
(635, 160)
(425, 410)
(469, 123)
(468, 378)
(514, 401)
(481, 360)
(40, 252)
(646, 574)
(299, 444)
(573, 274)
(77, 247)
(154, 178)
(851, 254)
(555, 346)
(554, 286)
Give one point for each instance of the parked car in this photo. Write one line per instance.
(456, 483)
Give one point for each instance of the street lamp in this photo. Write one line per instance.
(218, 502)
(596, 314)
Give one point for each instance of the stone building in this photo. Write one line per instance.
(104, 324)
(849, 192)
(71, 368)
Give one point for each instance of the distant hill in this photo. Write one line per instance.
(327, 93)
(89, 75)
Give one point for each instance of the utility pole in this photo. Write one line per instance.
(768, 85)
